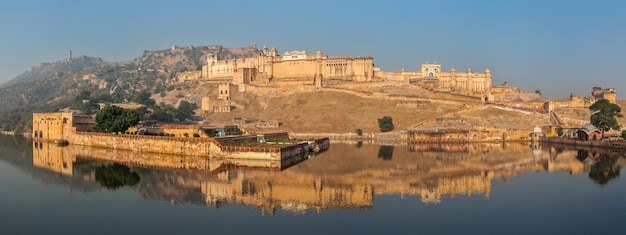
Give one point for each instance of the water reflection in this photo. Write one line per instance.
(114, 176)
(348, 176)
(602, 165)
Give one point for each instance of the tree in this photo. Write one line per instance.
(603, 114)
(185, 110)
(115, 119)
(143, 97)
(142, 111)
(559, 131)
(162, 115)
(359, 132)
(385, 124)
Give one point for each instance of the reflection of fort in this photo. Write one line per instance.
(52, 157)
(347, 176)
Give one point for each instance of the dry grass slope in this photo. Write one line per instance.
(330, 112)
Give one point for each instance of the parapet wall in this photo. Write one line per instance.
(154, 144)
(205, 147)
(472, 136)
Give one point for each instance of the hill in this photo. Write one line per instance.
(83, 82)
(58, 68)
(53, 86)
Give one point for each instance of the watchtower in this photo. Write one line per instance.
(224, 91)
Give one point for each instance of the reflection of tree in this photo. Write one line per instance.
(385, 152)
(604, 170)
(116, 176)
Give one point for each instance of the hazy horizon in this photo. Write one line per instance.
(557, 47)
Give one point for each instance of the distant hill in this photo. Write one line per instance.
(57, 68)
(48, 87)
(189, 58)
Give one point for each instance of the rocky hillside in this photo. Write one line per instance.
(189, 58)
(58, 68)
(52, 86)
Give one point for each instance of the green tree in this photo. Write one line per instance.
(143, 97)
(559, 131)
(115, 119)
(6, 126)
(185, 111)
(603, 114)
(385, 124)
(162, 115)
(359, 132)
(142, 111)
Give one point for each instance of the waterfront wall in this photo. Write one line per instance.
(601, 144)
(467, 136)
(207, 148)
(153, 144)
(7, 133)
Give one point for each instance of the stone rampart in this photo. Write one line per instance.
(154, 144)
(601, 144)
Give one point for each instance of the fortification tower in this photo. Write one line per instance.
(224, 91)
(211, 59)
(318, 74)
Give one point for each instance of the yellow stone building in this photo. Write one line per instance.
(468, 82)
(299, 67)
(58, 126)
(294, 66)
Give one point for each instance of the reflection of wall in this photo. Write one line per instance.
(346, 176)
(294, 195)
(52, 157)
(477, 183)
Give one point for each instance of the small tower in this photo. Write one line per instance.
(211, 59)
(69, 56)
(224, 91)
(318, 73)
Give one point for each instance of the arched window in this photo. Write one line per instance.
(431, 74)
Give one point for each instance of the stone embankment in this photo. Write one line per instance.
(600, 144)
(7, 133)
(227, 149)
(395, 136)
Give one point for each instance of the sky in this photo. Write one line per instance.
(557, 47)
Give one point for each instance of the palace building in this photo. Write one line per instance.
(298, 67)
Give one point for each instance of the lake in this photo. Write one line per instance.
(351, 188)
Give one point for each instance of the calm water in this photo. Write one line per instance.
(352, 188)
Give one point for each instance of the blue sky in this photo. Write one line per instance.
(558, 47)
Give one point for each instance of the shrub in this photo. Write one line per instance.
(196, 135)
(186, 134)
(359, 131)
(385, 124)
(559, 131)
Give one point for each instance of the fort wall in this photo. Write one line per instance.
(154, 144)
(467, 136)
